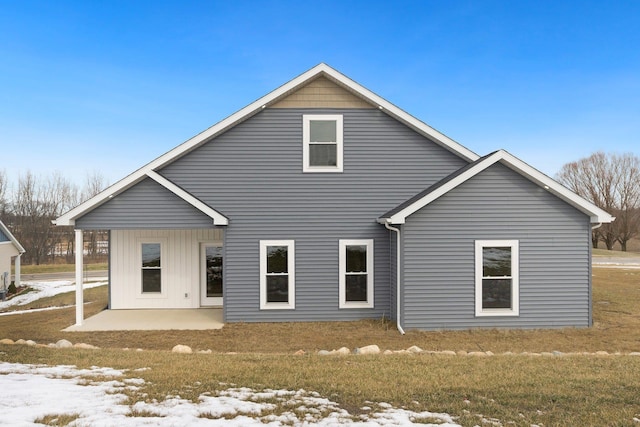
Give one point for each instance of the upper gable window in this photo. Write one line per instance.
(322, 143)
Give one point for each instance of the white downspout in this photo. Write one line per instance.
(397, 230)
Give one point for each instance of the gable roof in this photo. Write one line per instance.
(5, 231)
(320, 70)
(399, 214)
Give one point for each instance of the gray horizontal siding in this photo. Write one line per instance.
(253, 174)
(439, 282)
(146, 205)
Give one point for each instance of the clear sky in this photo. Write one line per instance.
(110, 85)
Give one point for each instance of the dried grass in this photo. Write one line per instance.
(515, 390)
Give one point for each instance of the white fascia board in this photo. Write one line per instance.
(137, 176)
(246, 112)
(398, 113)
(401, 216)
(115, 189)
(218, 218)
(596, 214)
(12, 238)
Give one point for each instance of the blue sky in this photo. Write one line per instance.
(110, 85)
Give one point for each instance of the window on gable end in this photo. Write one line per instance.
(322, 138)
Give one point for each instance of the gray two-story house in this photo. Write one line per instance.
(322, 201)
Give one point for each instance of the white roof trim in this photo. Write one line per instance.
(251, 109)
(596, 214)
(12, 238)
(218, 218)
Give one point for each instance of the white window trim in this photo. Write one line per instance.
(515, 278)
(306, 119)
(291, 270)
(343, 267)
(163, 267)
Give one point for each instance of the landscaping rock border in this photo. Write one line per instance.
(371, 349)
(414, 350)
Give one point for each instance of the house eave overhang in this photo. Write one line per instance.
(70, 217)
(400, 214)
(12, 239)
(254, 108)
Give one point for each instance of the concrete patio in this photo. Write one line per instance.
(148, 320)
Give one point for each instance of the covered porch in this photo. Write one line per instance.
(151, 319)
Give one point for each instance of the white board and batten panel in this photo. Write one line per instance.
(180, 266)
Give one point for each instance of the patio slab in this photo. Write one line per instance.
(152, 319)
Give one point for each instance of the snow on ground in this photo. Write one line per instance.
(43, 289)
(96, 396)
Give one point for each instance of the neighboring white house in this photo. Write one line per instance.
(9, 248)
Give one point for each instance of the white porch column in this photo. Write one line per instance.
(16, 275)
(79, 268)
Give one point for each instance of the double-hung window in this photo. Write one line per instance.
(151, 268)
(497, 278)
(322, 143)
(277, 274)
(356, 273)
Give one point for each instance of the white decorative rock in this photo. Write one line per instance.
(207, 351)
(368, 349)
(184, 349)
(31, 343)
(414, 349)
(448, 352)
(7, 341)
(634, 353)
(324, 353)
(64, 344)
(342, 351)
(21, 341)
(85, 346)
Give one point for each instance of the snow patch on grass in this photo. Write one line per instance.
(96, 397)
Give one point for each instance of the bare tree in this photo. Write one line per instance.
(627, 224)
(95, 182)
(36, 203)
(4, 185)
(611, 182)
